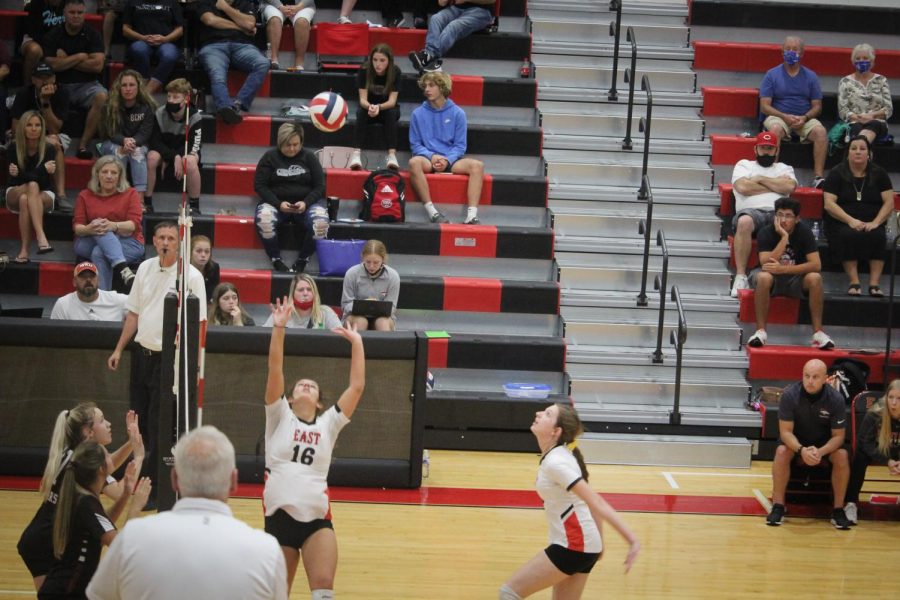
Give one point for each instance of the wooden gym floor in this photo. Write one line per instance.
(477, 519)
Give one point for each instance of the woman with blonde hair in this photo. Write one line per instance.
(84, 422)
(107, 224)
(371, 279)
(32, 163)
(225, 307)
(128, 125)
(307, 311)
(878, 441)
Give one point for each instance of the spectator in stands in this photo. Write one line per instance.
(372, 279)
(859, 199)
(790, 99)
(459, 19)
(300, 13)
(391, 12)
(82, 422)
(197, 549)
(864, 97)
(179, 155)
(757, 185)
(308, 311)
(107, 224)
(437, 138)
(378, 82)
(88, 302)
(812, 420)
(111, 10)
(76, 54)
(225, 307)
(32, 162)
(52, 102)
(291, 187)
(226, 40)
(201, 258)
(128, 125)
(789, 266)
(878, 442)
(43, 15)
(153, 28)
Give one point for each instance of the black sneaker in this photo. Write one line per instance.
(472, 221)
(84, 153)
(776, 517)
(229, 115)
(299, 265)
(839, 519)
(438, 217)
(434, 65)
(419, 60)
(420, 23)
(278, 265)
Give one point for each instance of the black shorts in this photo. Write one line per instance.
(293, 533)
(36, 544)
(571, 561)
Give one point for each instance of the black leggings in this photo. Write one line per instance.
(858, 466)
(389, 118)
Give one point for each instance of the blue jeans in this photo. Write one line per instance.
(268, 219)
(452, 24)
(166, 57)
(107, 251)
(217, 57)
(136, 162)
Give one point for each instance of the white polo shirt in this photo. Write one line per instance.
(196, 550)
(109, 306)
(151, 284)
(766, 200)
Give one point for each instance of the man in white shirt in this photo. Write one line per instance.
(88, 302)
(155, 278)
(757, 185)
(198, 549)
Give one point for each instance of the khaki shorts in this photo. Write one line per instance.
(771, 122)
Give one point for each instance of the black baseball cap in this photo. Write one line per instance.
(42, 70)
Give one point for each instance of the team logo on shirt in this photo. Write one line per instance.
(824, 414)
(291, 171)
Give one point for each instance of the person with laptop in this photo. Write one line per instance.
(371, 289)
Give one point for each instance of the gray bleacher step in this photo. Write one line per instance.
(866, 339)
(645, 52)
(624, 169)
(589, 193)
(709, 416)
(613, 143)
(618, 245)
(631, 207)
(623, 272)
(492, 380)
(566, 93)
(604, 107)
(665, 450)
(594, 29)
(609, 120)
(508, 324)
(598, 78)
(688, 228)
(721, 302)
(628, 327)
(624, 355)
(655, 385)
(662, 8)
(674, 70)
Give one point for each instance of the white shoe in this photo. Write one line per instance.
(355, 161)
(740, 283)
(851, 511)
(344, 20)
(392, 162)
(821, 341)
(758, 339)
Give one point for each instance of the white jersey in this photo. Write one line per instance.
(109, 306)
(569, 518)
(298, 456)
(766, 200)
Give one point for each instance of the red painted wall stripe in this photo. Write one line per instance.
(78, 172)
(730, 102)
(236, 80)
(437, 352)
(252, 131)
(752, 260)
(55, 279)
(254, 287)
(468, 90)
(235, 232)
(728, 149)
(759, 58)
(785, 362)
(234, 179)
(472, 294)
(469, 240)
(781, 309)
(9, 223)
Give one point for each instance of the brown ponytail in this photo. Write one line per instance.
(571, 427)
(87, 462)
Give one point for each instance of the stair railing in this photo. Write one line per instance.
(645, 225)
(678, 339)
(887, 367)
(614, 29)
(644, 126)
(630, 75)
(659, 283)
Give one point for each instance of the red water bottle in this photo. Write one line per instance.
(525, 69)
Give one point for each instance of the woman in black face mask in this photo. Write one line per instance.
(168, 149)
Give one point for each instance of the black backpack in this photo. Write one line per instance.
(384, 197)
(851, 377)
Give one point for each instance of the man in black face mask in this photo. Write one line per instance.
(167, 148)
(757, 185)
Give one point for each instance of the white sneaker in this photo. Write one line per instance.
(851, 511)
(355, 161)
(758, 339)
(344, 20)
(392, 162)
(740, 283)
(821, 341)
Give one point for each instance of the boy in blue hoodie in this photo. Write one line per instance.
(437, 138)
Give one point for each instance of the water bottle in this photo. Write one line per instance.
(525, 69)
(815, 230)
(426, 464)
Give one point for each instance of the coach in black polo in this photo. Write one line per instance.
(812, 420)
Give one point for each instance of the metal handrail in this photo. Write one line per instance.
(659, 283)
(614, 29)
(886, 368)
(678, 341)
(644, 227)
(629, 77)
(644, 126)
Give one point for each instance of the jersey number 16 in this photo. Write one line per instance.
(306, 457)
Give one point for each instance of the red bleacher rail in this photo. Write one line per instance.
(785, 363)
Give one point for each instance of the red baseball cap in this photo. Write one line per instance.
(85, 266)
(766, 138)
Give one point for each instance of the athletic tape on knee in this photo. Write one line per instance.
(506, 593)
(322, 594)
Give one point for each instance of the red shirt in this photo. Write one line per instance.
(121, 206)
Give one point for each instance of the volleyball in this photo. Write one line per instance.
(328, 112)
